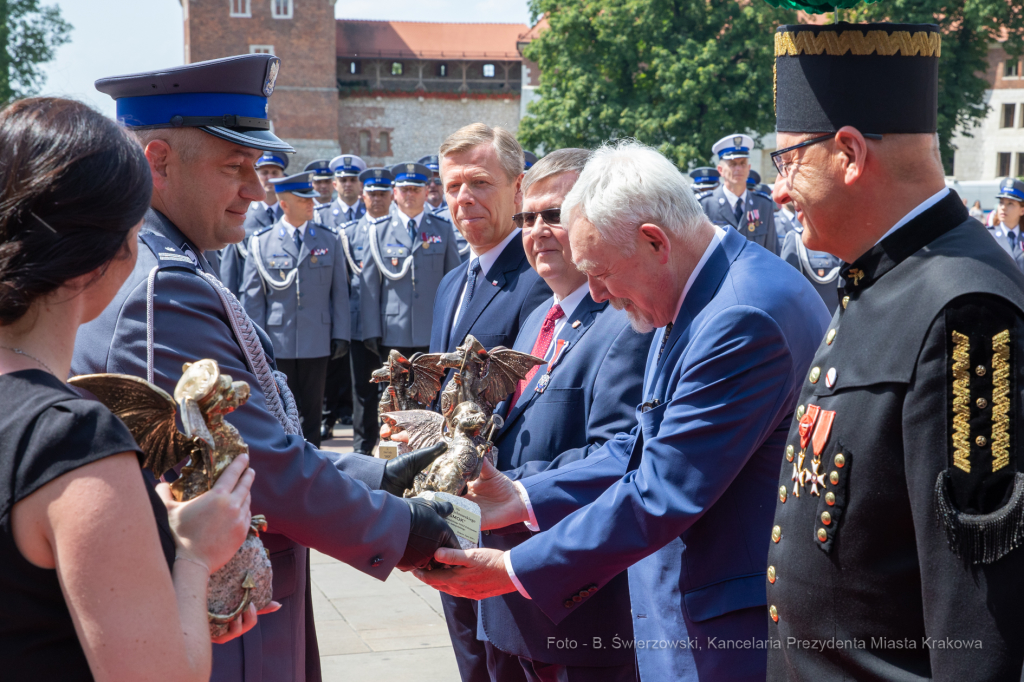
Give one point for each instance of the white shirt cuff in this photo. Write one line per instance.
(525, 497)
(512, 575)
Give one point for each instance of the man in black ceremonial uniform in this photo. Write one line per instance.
(895, 553)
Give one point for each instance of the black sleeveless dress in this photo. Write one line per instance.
(47, 430)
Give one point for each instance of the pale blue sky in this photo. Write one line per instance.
(112, 37)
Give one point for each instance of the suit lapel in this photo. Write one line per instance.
(284, 238)
(490, 284)
(449, 308)
(399, 231)
(585, 314)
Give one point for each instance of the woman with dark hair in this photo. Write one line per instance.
(102, 576)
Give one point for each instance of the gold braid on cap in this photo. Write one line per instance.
(859, 43)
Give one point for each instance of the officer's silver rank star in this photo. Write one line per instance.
(815, 477)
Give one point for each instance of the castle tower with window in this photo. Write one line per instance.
(304, 108)
(389, 91)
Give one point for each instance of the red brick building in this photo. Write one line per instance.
(389, 91)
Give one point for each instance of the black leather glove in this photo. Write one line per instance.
(400, 471)
(427, 531)
(338, 348)
(373, 345)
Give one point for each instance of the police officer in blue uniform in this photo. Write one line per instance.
(295, 287)
(348, 205)
(1008, 232)
(172, 310)
(261, 214)
(732, 204)
(820, 268)
(786, 222)
(323, 184)
(705, 179)
(354, 236)
(409, 254)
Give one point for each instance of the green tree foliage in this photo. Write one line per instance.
(968, 28)
(29, 36)
(675, 74)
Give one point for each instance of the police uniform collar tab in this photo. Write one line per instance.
(904, 242)
(227, 98)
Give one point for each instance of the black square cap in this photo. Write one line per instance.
(878, 78)
(226, 98)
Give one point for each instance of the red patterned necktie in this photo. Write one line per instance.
(540, 349)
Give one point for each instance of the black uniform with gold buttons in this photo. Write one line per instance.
(895, 552)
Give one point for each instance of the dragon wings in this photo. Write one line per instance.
(148, 412)
(507, 368)
(425, 428)
(427, 376)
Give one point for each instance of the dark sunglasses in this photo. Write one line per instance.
(783, 167)
(526, 219)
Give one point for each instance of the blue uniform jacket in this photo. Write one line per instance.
(757, 222)
(685, 499)
(310, 498)
(593, 389)
(998, 233)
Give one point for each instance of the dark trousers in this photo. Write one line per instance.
(338, 389)
(552, 672)
(478, 661)
(306, 377)
(366, 396)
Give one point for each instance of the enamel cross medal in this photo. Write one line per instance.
(821, 433)
(800, 474)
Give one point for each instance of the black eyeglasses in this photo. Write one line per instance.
(526, 219)
(783, 166)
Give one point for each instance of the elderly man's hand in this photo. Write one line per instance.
(500, 503)
(478, 573)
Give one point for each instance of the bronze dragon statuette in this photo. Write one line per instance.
(412, 383)
(204, 396)
(467, 422)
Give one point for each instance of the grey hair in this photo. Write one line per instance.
(568, 160)
(627, 184)
(188, 143)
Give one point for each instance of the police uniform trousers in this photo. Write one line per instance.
(306, 378)
(338, 389)
(365, 396)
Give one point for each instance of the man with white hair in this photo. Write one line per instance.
(683, 500)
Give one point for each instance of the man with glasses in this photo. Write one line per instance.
(732, 204)
(900, 513)
(408, 257)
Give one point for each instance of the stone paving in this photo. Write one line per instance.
(372, 631)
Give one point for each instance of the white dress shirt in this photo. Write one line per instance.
(520, 488)
(418, 218)
(731, 198)
(291, 228)
(487, 261)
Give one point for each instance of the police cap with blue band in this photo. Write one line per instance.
(733, 147)
(271, 159)
(529, 158)
(347, 165)
(432, 163)
(321, 169)
(410, 174)
(377, 180)
(705, 177)
(226, 98)
(754, 179)
(1009, 188)
(300, 184)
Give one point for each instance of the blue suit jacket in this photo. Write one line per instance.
(593, 389)
(505, 297)
(685, 500)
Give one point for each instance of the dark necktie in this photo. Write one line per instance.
(351, 213)
(738, 211)
(297, 238)
(1012, 236)
(540, 349)
(412, 230)
(474, 270)
(271, 214)
(664, 340)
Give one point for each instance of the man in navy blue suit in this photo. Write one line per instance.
(582, 397)
(684, 500)
(490, 297)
